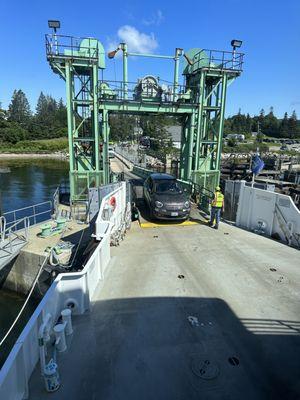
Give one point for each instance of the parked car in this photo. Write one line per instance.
(166, 198)
(111, 151)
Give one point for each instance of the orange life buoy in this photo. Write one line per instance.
(113, 202)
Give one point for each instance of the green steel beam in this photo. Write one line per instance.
(221, 123)
(190, 145)
(69, 114)
(134, 107)
(96, 116)
(105, 133)
(184, 147)
(150, 55)
(199, 118)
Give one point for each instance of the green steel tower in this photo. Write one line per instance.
(78, 62)
(208, 74)
(199, 99)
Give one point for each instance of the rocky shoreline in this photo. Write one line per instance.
(56, 155)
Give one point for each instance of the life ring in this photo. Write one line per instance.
(113, 202)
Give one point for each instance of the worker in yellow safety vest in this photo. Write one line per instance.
(217, 205)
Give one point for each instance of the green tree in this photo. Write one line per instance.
(231, 142)
(50, 119)
(19, 108)
(270, 125)
(248, 124)
(155, 127)
(238, 123)
(292, 125)
(41, 107)
(284, 126)
(259, 137)
(61, 113)
(11, 132)
(261, 115)
(121, 127)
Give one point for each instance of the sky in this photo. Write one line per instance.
(270, 31)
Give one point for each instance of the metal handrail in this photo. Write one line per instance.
(34, 215)
(201, 190)
(9, 232)
(220, 59)
(115, 90)
(55, 46)
(285, 227)
(2, 228)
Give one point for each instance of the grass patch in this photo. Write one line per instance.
(246, 147)
(35, 146)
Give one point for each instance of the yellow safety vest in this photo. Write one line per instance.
(218, 200)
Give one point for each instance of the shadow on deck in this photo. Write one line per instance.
(148, 348)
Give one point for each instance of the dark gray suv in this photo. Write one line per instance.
(165, 197)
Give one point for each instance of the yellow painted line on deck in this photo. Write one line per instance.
(161, 225)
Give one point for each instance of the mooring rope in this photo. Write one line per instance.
(25, 303)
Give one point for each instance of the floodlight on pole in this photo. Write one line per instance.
(54, 24)
(235, 43)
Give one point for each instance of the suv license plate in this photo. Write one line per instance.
(174, 214)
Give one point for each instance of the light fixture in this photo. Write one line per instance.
(235, 43)
(54, 24)
(112, 54)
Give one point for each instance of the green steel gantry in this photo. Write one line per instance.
(200, 101)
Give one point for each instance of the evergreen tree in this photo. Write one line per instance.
(49, 118)
(61, 113)
(19, 108)
(269, 125)
(262, 114)
(121, 127)
(293, 125)
(155, 127)
(41, 107)
(248, 124)
(284, 126)
(238, 123)
(51, 106)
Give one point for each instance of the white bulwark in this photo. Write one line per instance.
(269, 213)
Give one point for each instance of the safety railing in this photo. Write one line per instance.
(36, 213)
(80, 181)
(17, 232)
(71, 47)
(74, 290)
(2, 228)
(218, 59)
(61, 196)
(137, 91)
